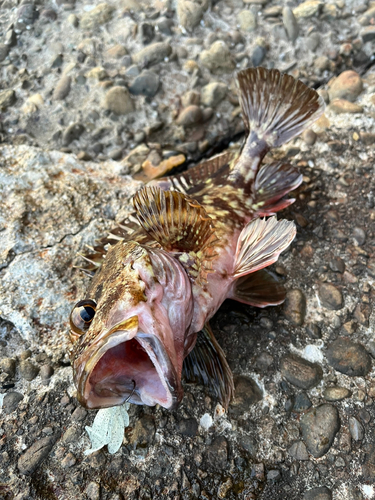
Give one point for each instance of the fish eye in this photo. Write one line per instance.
(81, 316)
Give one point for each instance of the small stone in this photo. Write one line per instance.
(319, 427)
(349, 358)
(213, 93)
(246, 394)
(339, 106)
(321, 493)
(92, 491)
(309, 136)
(217, 57)
(147, 83)
(71, 133)
(258, 54)
(190, 97)
(4, 51)
(10, 402)
(8, 365)
(330, 297)
(116, 52)
(71, 435)
(356, 429)
(28, 370)
(247, 20)
(79, 414)
(46, 372)
(298, 451)
(367, 17)
(367, 138)
(314, 331)
(99, 15)
(7, 98)
(336, 393)
(302, 402)
(189, 13)
(62, 88)
(165, 25)
(119, 101)
(152, 54)
(190, 116)
(33, 457)
(216, 454)
(273, 475)
(368, 34)
(143, 432)
(337, 265)
(68, 461)
(73, 20)
(146, 32)
(307, 9)
(188, 427)
(300, 372)
(294, 308)
(359, 235)
(348, 85)
(290, 24)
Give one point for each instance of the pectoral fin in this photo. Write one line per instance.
(206, 364)
(179, 224)
(259, 289)
(260, 244)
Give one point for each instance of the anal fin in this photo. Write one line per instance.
(206, 364)
(260, 244)
(259, 289)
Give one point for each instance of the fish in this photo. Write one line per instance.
(194, 240)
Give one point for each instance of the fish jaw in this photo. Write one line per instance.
(135, 344)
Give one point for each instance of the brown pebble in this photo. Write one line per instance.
(190, 116)
(309, 136)
(348, 85)
(339, 106)
(62, 88)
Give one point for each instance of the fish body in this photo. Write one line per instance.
(200, 237)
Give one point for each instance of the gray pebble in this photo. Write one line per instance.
(294, 308)
(92, 491)
(119, 101)
(309, 136)
(62, 88)
(298, 451)
(330, 296)
(164, 25)
(349, 358)
(7, 98)
(190, 116)
(368, 34)
(71, 133)
(71, 435)
(258, 55)
(94, 18)
(337, 265)
(319, 427)
(300, 372)
(336, 393)
(302, 402)
(147, 83)
(359, 235)
(37, 452)
(152, 54)
(28, 370)
(213, 93)
(247, 20)
(217, 57)
(11, 400)
(79, 414)
(188, 427)
(4, 50)
(216, 454)
(146, 32)
(246, 393)
(290, 24)
(366, 18)
(46, 372)
(189, 14)
(313, 41)
(8, 365)
(356, 429)
(273, 475)
(321, 493)
(132, 71)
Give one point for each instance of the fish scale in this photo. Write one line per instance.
(194, 240)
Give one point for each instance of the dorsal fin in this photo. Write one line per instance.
(273, 181)
(260, 244)
(259, 289)
(179, 224)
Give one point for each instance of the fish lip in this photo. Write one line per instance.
(157, 354)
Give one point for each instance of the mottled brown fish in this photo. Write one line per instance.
(199, 238)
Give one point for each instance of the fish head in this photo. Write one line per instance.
(130, 332)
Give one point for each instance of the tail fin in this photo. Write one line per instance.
(275, 109)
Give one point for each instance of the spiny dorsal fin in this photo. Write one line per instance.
(276, 107)
(260, 244)
(179, 224)
(206, 364)
(259, 289)
(272, 182)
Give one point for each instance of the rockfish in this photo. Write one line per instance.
(198, 238)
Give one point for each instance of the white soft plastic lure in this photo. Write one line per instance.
(108, 429)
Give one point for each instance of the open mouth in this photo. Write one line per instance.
(138, 368)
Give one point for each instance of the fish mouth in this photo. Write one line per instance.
(137, 370)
